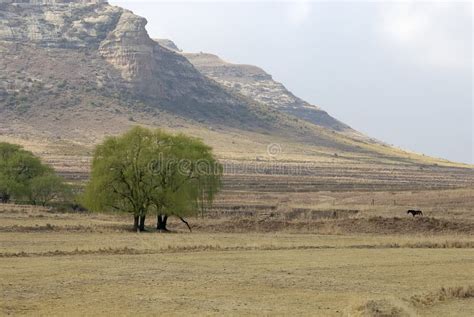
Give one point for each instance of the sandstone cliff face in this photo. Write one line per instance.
(47, 50)
(116, 42)
(75, 71)
(78, 71)
(258, 85)
(129, 49)
(93, 67)
(72, 26)
(169, 44)
(255, 83)
(149, 69)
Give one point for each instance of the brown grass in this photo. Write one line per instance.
(380, 308)
(289, 255)
(219, 248)
(442, 295)
(372, 225)
(394, 307)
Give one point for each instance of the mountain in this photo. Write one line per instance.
(75, 71)
(255, 83)
(83, 48)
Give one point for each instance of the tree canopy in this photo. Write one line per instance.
(145, 171)
(23, 177)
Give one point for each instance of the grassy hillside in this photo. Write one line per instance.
(89, 71)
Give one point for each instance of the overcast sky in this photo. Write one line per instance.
(397, 71)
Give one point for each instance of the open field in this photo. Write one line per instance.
(315, 235)
(325, 282)
(375, 262)
(311, 218)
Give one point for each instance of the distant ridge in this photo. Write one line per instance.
(255, 83)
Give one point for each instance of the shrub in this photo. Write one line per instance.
(24, 177)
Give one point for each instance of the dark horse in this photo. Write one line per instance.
(415, 212)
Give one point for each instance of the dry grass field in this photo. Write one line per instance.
(311, 219)
(314, 233)
(255, 253)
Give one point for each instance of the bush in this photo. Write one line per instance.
(24, 177)
(46, 188)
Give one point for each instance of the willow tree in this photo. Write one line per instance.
(148, 171)
(188, 176)
(120, 178)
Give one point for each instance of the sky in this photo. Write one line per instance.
(398, 71)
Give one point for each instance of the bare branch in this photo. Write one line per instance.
(187, 224)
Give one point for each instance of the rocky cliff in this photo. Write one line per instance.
(255, 83)
(116, 44)
(75, 71)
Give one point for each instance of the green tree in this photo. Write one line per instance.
(189, 177)
(151, 171)
(120, 178)
(46, 188)
(22, 176)
(16, 167)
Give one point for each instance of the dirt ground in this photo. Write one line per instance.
(366, 264)
(321, 282)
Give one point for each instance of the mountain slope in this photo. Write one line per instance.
(82, 62)
(255, 83)
(73, 73)
(114, 41)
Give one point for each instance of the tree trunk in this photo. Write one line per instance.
(4, 198)
(135, 223)
(142, 223)
(161, 222)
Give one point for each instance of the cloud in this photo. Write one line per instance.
(430, 33)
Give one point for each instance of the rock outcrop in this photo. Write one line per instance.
(255, 83)
(129, 49)
(116, 41)
(73, 26)
(169, 44)
(78, 70)
(149, 69)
